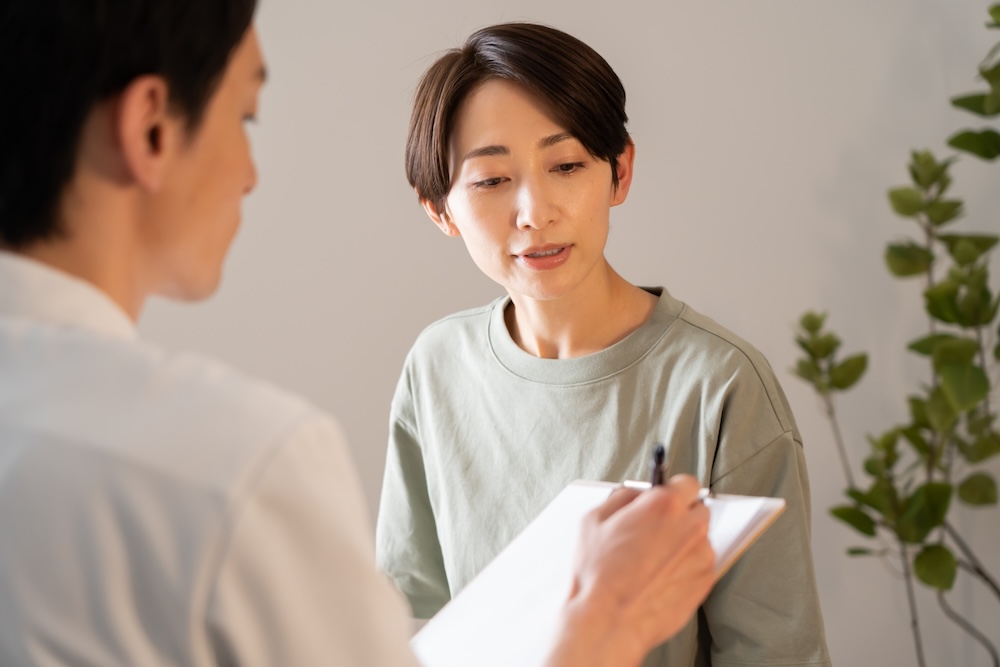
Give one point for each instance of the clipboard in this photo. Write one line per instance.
(509, 613)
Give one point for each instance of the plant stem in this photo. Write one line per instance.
(838, 438)
(977, 567)
(982, 360)
(937, 446)
(969, 628)
(929, 236)
(907, 575)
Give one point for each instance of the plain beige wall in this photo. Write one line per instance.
(767, 134)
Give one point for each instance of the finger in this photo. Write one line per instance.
(685, 485)
(618, 499)
(683, 531)
(673, 498)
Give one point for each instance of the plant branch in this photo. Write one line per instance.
(914, 623)
(838, 438)
(974, 563)
(968, 627)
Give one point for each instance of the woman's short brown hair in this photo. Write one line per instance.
(572, 80)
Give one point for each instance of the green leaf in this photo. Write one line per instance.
(975, 307)
(941, 301)
(985, 447)
(824, 346)
(992, 104)
(882, 498)
(874, 466)
(943, 184)
(964, 385)
(860, 551)
(885, 442)
(984, 144)
(918, 442)
(962, 445)
(846, 374)
(908, 259)
(995, 13)
(955, 351)
(965, 253)
(924, 511)
(808, 370)
(991, 74)
(906, 201)
(940, 411)
(858, 496)
(944, 211)
(812, 322)
(973, 277)
(936, 566)
(981, 104)
(991, 310)
(918, 412)
(979, 423)
(925, 170)
(978, 489)
(855, 518)
(967, 248)
(927, 344)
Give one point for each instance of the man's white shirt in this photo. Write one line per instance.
(162, 509)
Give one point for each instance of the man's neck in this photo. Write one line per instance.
(96, 244)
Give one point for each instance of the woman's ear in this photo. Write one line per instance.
(146, 131)
(440, 218)
(623, 164)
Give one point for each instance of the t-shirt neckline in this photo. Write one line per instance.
(588, 368)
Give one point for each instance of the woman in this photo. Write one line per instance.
(518, 145)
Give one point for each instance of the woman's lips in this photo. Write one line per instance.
(545, 257)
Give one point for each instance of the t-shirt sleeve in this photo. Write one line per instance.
(766, 609)
(296, 582)
(406, 538)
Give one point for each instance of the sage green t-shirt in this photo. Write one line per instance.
(483, 435)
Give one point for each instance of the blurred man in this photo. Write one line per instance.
(161, 509)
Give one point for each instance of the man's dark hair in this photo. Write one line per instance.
(58, 58)
(573, 81)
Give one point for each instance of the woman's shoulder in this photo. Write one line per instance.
(731, 362)
(456, 331)
(705, 336)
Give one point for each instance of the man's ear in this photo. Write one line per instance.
(440, 218)
(623, 164)
(147, 132)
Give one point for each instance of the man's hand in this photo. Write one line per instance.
(644, 565)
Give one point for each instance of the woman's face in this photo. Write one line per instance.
(530, 201)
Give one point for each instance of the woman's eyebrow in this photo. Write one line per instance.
(486, 151)
(545, 142)
(554, 139)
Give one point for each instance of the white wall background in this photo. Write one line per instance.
(767, 134)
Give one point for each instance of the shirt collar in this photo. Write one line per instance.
(32, 290)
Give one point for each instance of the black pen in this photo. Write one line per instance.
(656, 470)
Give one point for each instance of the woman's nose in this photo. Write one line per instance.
(536, 208)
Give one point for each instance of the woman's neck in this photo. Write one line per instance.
(591, 318)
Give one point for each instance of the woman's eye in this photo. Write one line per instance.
(569, 167)
(488, 183)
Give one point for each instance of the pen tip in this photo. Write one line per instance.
(658, 454)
